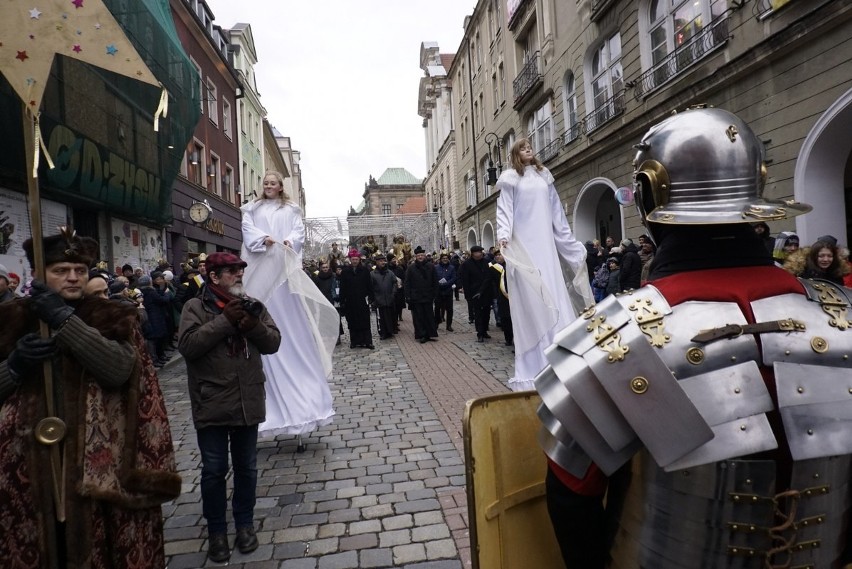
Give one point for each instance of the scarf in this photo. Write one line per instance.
(236, 343)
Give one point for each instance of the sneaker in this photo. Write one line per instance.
(246, 540)
(218, 549)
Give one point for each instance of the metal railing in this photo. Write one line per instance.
(551, 150)
(572, 133)
(527, 78)
(610, 109)
(683, 57)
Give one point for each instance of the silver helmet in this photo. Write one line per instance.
(704, 166)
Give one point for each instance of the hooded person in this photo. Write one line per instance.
(786, 243)
(739, 363)
(95, 500)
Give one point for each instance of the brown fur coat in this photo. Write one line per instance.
(118, 458)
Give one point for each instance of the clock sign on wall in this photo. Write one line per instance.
(199, 212)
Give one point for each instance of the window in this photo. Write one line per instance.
(607, 75)
(226, 118)
(492, 29)
(197, 165)
(502, 73)
(483, 168)
(246, 181)
(674, 22)
(569, 94)
(201, 89)
(254, 186)
(250, 126)
(540, 131)
(478, 52)
(243, 117)
(481, 113)
(495, 93)
(386, 209)
(470, 184)
(228, 184)
(214, 183)
(210, 95)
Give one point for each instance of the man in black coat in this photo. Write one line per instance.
(421, 288)
(354, 290)
(474, 279)
(630, 275)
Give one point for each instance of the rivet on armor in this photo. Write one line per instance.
(800, 389)
(816, 476)
(810, 431)
(695, 356)
(786, 352)
(845, 357)
(733, 358)
(754, 498)
(820, 519)
(736, 498)
(824, 490)
(808, 493)
(804, 522)
(737, 390)
(587, 315)
(639, 385)
(742, 427)
(748, 481)
(751, 528)
(735, 527)
(819, 345)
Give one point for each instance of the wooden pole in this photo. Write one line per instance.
(30, 148)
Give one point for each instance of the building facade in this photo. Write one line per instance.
(210, 170)
(250, 114)
(434, 104)
(586, 79)
(293, 184)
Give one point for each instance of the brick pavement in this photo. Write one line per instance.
(382, 486)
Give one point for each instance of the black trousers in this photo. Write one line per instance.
(579, 523)
(482, 316)
(387, 321)
(444, 309)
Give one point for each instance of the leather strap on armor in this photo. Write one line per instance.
(734, 330)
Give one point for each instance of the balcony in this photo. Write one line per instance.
(682, 58)
(599, 8)
(527, 79)
(551, 150)
(610, 109)
(572, 133)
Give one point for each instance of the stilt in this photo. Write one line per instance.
(301, 447)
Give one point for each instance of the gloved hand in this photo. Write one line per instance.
(30, 350)
(248, 322)
(234, 312)
(48, 305)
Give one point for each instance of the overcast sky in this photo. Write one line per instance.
(340, 78)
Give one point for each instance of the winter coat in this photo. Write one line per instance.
(224, 389)
(158, 306)
(382, 287)
(612, 286)
(326, 283)
(421, 283)
(448, 273)
(630, 270)
(354, 291)
(473, 276)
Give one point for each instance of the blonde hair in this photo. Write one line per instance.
(515, 157)
(283, 195)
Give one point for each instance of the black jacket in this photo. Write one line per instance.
(473, 276)
(421, 283)
(630, 271)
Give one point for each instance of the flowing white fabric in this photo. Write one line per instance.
(531, 220)
(298, 398)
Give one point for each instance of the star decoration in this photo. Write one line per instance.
(46, 28)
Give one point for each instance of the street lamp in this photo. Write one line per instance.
(490, 139)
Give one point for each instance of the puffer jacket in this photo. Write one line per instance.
(223, 389)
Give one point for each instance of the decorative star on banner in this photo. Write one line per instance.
(31, 36)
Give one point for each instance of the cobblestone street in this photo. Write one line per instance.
(382, 486)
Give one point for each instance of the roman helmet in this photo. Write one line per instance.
(704, 166)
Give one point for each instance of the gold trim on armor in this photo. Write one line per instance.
(650, 321)
(833, 303)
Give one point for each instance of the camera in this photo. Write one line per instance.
(252, 307)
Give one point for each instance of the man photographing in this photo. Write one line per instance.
(222, 335)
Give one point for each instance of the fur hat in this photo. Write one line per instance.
(67, 247)
(418, 250)
(221, 260)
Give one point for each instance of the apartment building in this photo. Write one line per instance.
(585, 79)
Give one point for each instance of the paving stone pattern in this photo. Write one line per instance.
(382, 486)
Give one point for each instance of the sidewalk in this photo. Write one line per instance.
(382, 486)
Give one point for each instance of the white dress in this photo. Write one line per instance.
(530, 218)
(298, 398)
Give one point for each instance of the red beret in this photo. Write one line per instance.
(219, 260)
(353, 253)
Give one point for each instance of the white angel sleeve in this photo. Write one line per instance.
(253, 236)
